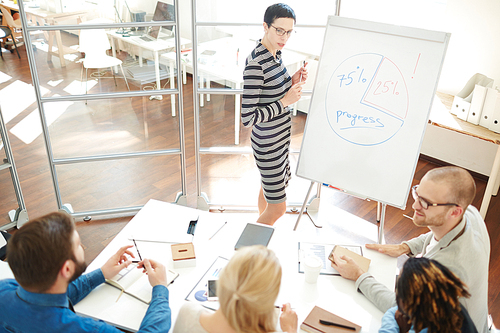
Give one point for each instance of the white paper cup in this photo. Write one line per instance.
(312, 267)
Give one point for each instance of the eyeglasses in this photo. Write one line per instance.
(281, 32)
(426, 204)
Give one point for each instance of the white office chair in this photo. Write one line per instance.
(94, 43)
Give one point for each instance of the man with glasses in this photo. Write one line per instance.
(458, 239)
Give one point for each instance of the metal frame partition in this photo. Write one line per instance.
(18, 216)
(203, 201)
(181, 196)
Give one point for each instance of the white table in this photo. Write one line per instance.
(44, 17)
(333, 293)
(441, 117)
(226, 64)
(5, 271)
(162, 44)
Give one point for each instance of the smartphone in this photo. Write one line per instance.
(212, 290)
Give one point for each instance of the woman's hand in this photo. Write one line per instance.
(293, 94)
(403, 321)
(288, 319)
(296, 78)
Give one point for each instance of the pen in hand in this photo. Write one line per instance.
(303, 66)
(137, 250)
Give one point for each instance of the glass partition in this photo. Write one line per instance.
(8, 199)
(111, 126)
(307, 12)
(11, 200)
(98, 61)
(71, 12)
(119, 183)
(105, 74)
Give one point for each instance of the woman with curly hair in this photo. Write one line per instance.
(427, 294)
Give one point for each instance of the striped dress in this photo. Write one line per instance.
(265, 82)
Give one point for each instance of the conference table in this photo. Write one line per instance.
(158, 223)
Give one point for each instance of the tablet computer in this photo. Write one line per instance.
(255, 234)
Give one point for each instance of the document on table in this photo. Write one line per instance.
(166, 232)
(199, 293)
(131, 280)
(322, 251)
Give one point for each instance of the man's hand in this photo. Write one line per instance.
(288, 319)
(392, 250)
(117, 262)
(347, 267)
(157, 274)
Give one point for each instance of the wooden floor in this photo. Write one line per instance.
(85, 130)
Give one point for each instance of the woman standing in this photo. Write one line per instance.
(267, 92)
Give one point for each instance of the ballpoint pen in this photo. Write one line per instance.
(329, 323)
(218, 230)
(137, 250)
(281, 307)
(303, 65)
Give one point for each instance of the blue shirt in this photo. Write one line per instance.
(24, 311)
(390, 325)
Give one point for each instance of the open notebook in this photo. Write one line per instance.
(134, 282)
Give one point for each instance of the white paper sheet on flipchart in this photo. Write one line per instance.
(322, 251)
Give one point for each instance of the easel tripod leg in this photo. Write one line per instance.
(303, 206)
(381, 239)
(378, 212)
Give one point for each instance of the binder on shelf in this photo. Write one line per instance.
(476, 105)
(462, 100)
(491, 100)
(494, 124)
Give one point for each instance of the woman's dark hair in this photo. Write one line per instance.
(276, 11)
(427, 292)
(38, 250)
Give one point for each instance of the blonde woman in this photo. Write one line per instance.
(247, 289)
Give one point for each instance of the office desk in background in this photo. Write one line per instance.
(223, 60)
(441, 117)
(43, 17)
(157, 219)
(162, 44)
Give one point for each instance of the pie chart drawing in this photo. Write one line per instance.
(366, 99)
